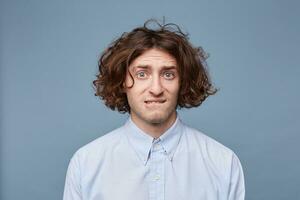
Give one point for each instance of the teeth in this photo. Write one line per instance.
(154, 102)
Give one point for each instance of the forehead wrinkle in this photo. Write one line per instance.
(151, 59)
(151, 62)
(160, 59)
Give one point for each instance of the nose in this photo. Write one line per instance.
(156, 88)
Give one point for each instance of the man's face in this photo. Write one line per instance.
(153, 96)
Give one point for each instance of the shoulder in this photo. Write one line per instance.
(100, 146)
(218, 159)
(206, 141)
(208, 148)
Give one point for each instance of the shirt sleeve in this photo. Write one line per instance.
(72, 190)
(237, 184)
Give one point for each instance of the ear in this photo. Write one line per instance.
(124, 87)
(128, 82)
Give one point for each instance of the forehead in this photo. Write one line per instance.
(154, 58)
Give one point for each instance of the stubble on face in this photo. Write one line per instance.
(158, 81)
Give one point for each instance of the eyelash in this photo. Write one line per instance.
(139, 73)
(170, 73)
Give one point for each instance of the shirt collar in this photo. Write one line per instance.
(142, 142)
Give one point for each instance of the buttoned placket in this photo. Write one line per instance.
(157, 171)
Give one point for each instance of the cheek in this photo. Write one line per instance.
(130, 98)
(172, 87)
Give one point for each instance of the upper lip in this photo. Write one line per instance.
(155, 100)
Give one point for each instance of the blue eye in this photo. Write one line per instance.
(169, 75)
(141, 74)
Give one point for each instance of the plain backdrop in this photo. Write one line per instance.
(48, 56)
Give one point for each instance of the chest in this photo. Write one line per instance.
(159, 179)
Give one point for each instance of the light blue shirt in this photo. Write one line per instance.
(128, 164)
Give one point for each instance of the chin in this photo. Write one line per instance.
(158, 118)
(156, 121)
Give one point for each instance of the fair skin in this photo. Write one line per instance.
(154, 92)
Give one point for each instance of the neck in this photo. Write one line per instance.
(155, 130)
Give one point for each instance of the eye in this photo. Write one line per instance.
(169, 75)
(141, 75)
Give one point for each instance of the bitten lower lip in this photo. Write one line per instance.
(155, 101)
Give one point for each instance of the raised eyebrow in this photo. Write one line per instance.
(169, 67)
(140, 66)
(147, 67)
(165, 68)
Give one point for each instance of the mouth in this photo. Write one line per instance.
(155, 101)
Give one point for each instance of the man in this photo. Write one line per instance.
(154, 156)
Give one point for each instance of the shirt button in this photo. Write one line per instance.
(156, 147)
(156, 178)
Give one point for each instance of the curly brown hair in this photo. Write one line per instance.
(195, 84)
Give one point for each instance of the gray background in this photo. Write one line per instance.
(49, 52)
